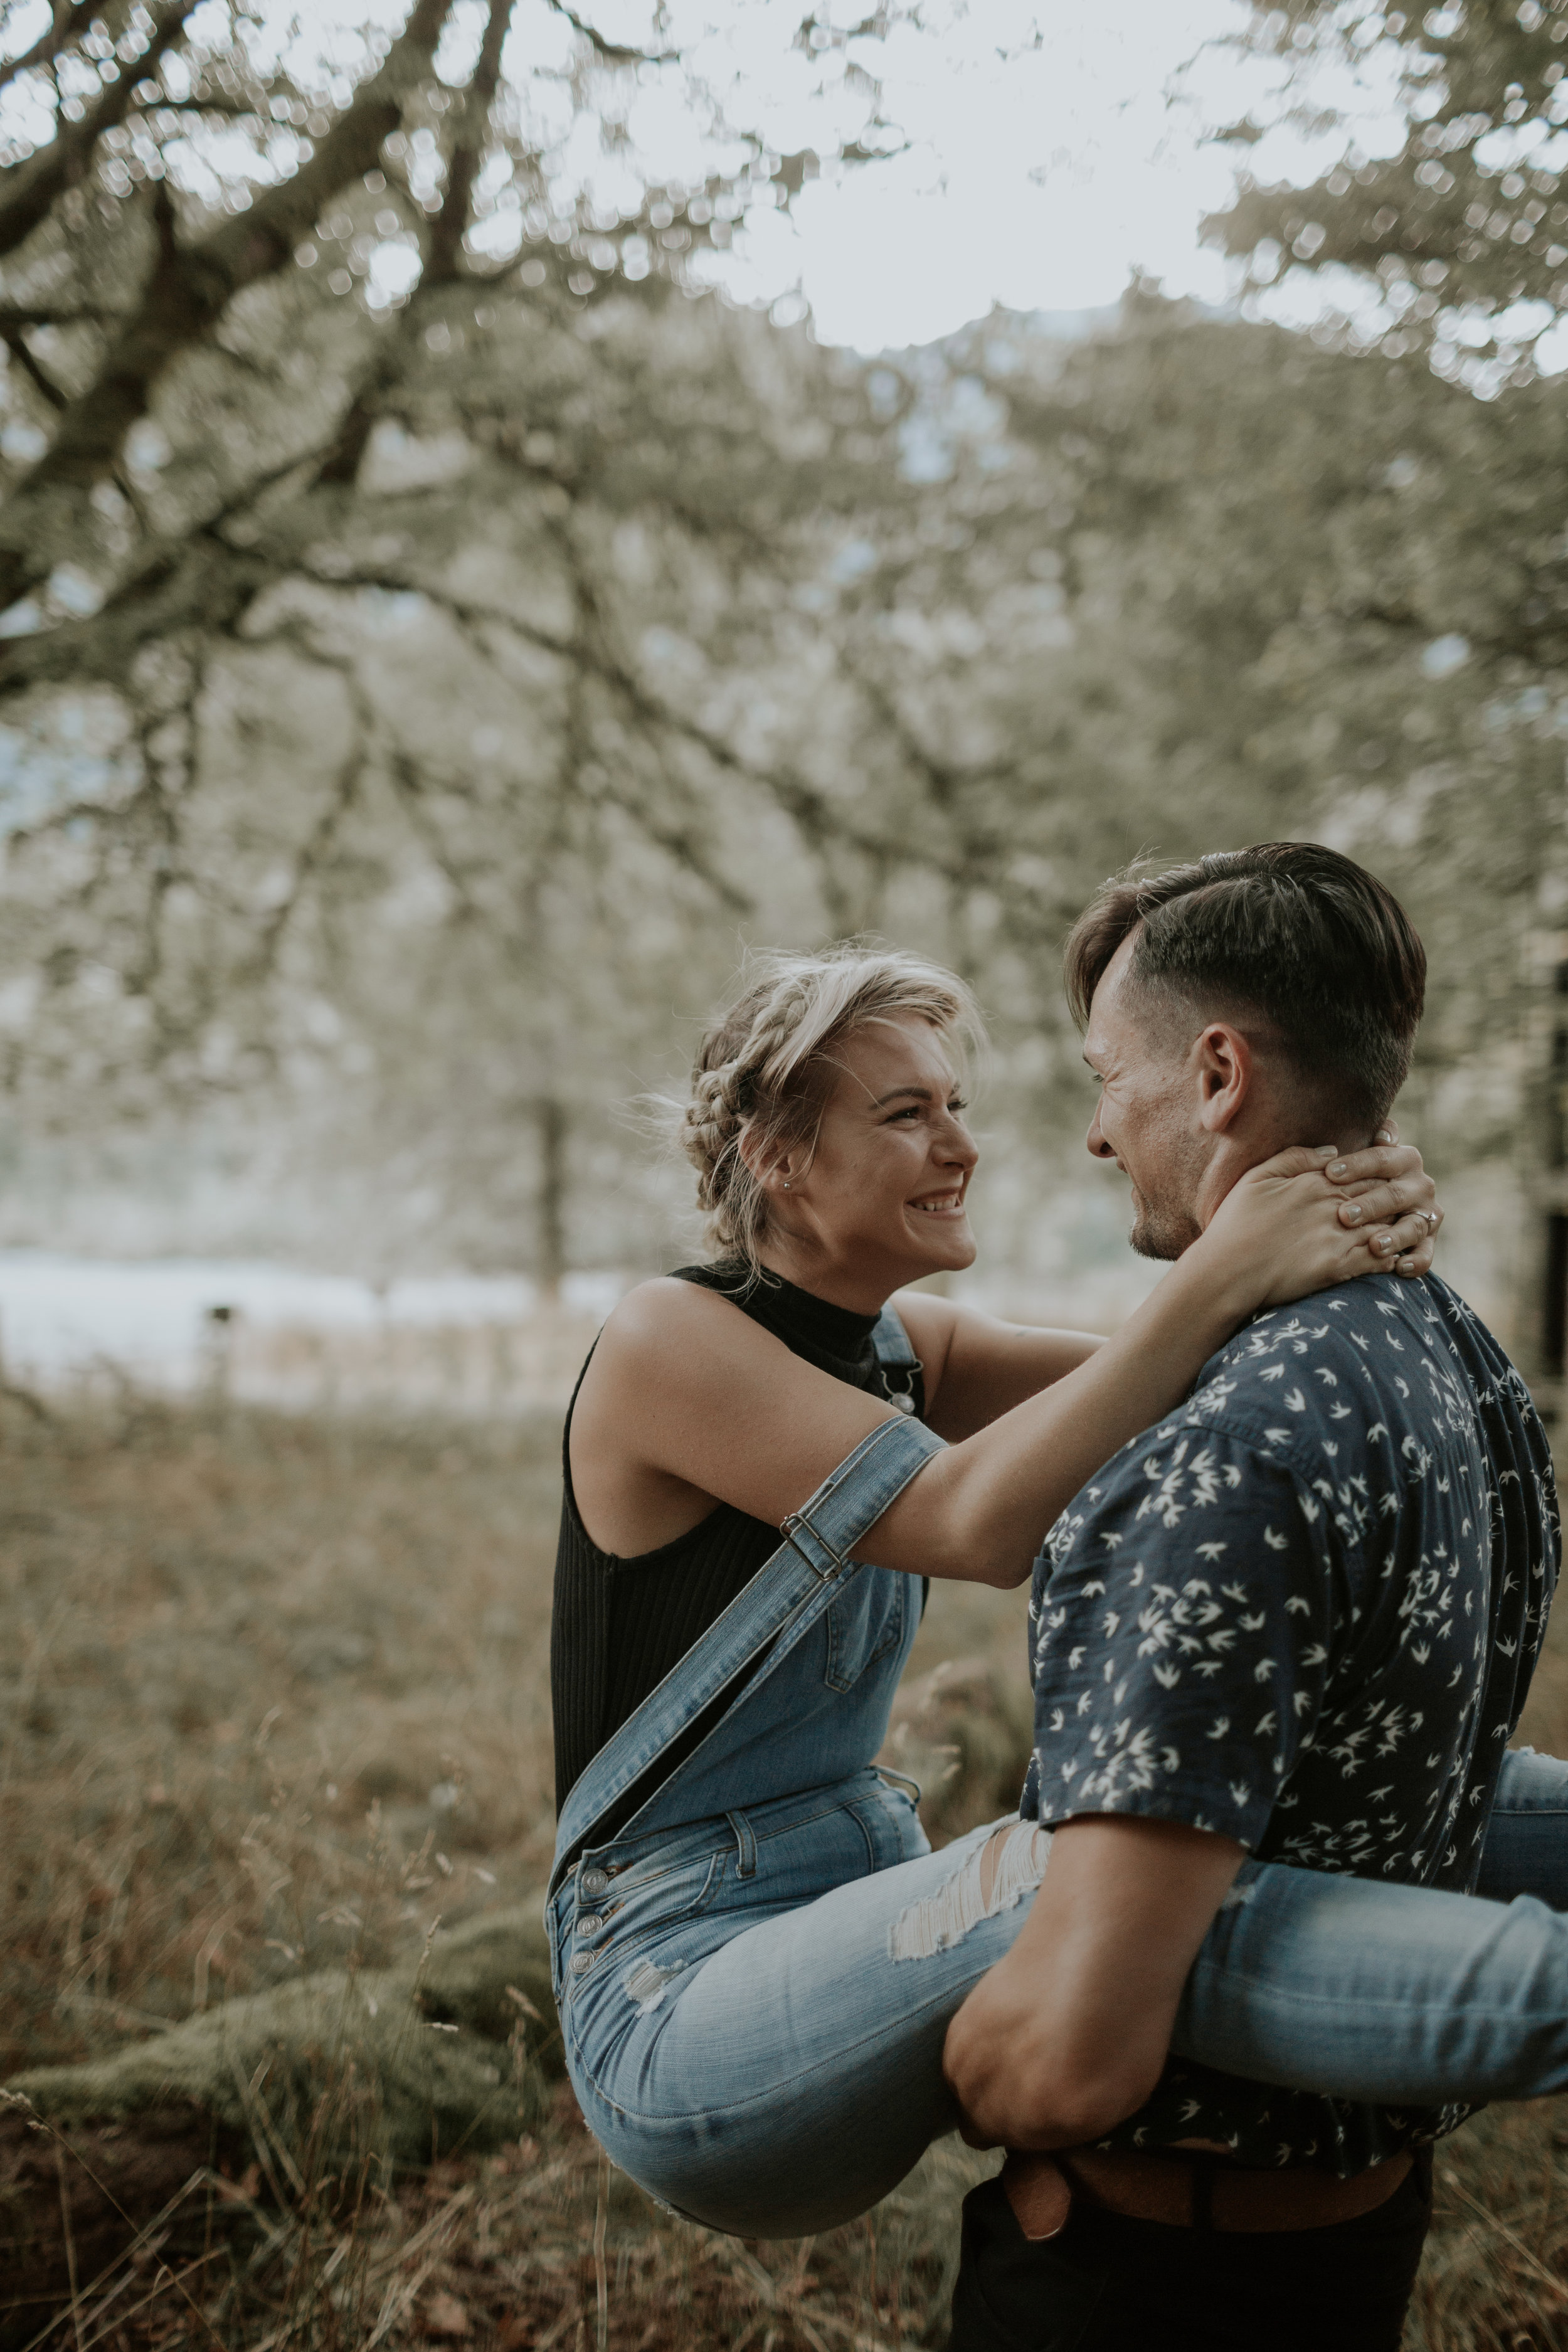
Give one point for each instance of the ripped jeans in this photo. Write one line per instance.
(755, 2007)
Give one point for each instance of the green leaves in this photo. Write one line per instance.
(1469, 221)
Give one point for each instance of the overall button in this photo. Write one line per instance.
(580, 1962)
(593, 1882)
(589, 1924)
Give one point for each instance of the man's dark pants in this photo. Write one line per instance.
(1108, 2283)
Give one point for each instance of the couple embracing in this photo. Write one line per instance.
(1278, 1907)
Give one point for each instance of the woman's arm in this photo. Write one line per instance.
(978, 1367)
(685, 1401)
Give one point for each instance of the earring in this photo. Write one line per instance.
(786, 1183)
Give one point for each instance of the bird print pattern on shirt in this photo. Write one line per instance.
(1303, 1613)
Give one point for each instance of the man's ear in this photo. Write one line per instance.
(1227, 1076)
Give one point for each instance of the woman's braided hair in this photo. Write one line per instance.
(764, 1069)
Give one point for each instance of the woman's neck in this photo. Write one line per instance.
(837, 1284)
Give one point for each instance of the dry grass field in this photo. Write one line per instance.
(274, 1697)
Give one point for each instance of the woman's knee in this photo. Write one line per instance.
(996, 1876)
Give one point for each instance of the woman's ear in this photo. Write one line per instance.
(766, 1166)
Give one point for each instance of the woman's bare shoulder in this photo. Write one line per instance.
(663, 1318)
(930, 1322)
(683, 1386)
(927, 1318)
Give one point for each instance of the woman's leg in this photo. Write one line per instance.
(1396, 1994)
(1484, 2019)
(1526, 1850)
(777, 2078)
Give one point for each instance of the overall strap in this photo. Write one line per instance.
(896, 1360)
(785, 1598)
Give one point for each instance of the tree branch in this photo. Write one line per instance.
(15, 343)
(29, 314)
(443, 253)
(70, 24)
(313, 854)
(451, 222)
(29, 191)
(188, 290)
(184, 584)
(236, 109)
(611, 53)
(199, 576)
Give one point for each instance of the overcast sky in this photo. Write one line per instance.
(1040, 178)
(1055, 147)
(1052, 146)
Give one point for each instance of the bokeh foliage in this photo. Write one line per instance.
(414, 708)
(1463, 228)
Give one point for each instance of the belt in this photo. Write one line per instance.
(1190, 2192)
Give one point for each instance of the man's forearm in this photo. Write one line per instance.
(1070, 2031)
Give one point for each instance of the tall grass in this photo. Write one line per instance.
(274, 1697)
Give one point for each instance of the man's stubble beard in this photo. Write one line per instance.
(1163, 1223)
(1159, 1232)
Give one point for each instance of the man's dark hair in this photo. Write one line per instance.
(1296, 934)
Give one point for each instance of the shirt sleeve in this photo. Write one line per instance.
(1182, 1629)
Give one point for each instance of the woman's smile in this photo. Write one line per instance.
(940, 1204)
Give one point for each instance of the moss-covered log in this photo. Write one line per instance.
(315, 2085)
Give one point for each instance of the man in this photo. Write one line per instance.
(1296, 1621)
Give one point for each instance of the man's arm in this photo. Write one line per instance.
(1070, 2032)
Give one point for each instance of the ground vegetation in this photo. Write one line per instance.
(275, 1706)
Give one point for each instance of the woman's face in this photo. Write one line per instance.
(880, 1198)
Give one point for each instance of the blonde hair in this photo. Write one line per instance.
(764, 1070)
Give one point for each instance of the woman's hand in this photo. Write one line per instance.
(1299, 1228)
(1379, 1184)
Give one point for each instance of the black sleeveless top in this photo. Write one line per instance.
(619, 1625)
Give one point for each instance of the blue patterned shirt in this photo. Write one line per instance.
(1303, 1613)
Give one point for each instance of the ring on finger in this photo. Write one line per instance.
(1431, 1217)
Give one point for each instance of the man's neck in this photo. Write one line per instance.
(1235, 1155)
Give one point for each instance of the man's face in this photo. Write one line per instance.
(1146, 1119)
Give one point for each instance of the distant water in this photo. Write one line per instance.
(62, 1316)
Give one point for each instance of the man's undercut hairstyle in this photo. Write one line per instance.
(1288, 934)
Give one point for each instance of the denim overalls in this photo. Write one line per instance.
(755, 1973)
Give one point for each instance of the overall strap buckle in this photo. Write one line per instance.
(897, 1366)
(840, 1567)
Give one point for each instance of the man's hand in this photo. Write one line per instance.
(1070, 2032)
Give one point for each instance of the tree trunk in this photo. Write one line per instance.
(550, 1234)
(1541, 1334)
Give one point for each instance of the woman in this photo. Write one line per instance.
(753, 2027)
